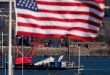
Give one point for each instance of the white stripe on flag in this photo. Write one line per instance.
(62, 24)
(54, 31)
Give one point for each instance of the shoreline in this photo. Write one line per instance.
(102, 52)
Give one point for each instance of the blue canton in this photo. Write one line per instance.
(27, 4)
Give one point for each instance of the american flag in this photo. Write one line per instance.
(76, 19)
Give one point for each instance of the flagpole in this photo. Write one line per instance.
(10, 40)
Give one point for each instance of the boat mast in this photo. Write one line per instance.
(2, 49)
(68, 49)
(22, 54)
(10, 40)
(79, 54)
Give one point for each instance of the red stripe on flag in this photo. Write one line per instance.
(71, 12)
(57, 19)
(56, 27)
(71, 4)
(55, 36)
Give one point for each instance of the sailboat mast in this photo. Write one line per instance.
(68, 49)
(79, 54)
(10, 40)
(2, 49)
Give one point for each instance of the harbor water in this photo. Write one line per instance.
(92, 66)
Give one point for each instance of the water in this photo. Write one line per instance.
(92, 66)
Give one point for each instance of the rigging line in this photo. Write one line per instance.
(22, 56)
(35, 44)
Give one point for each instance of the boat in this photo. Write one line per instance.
(47, 64)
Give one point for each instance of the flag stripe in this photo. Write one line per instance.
(71, 12)
(61, 24)
(57, 27)
(56, 31)
(66, 8)
(78, 1)
(68, 4)
(57, 19)
(55, 35)
(65, 14)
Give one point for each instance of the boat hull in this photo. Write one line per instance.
(43, 67)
